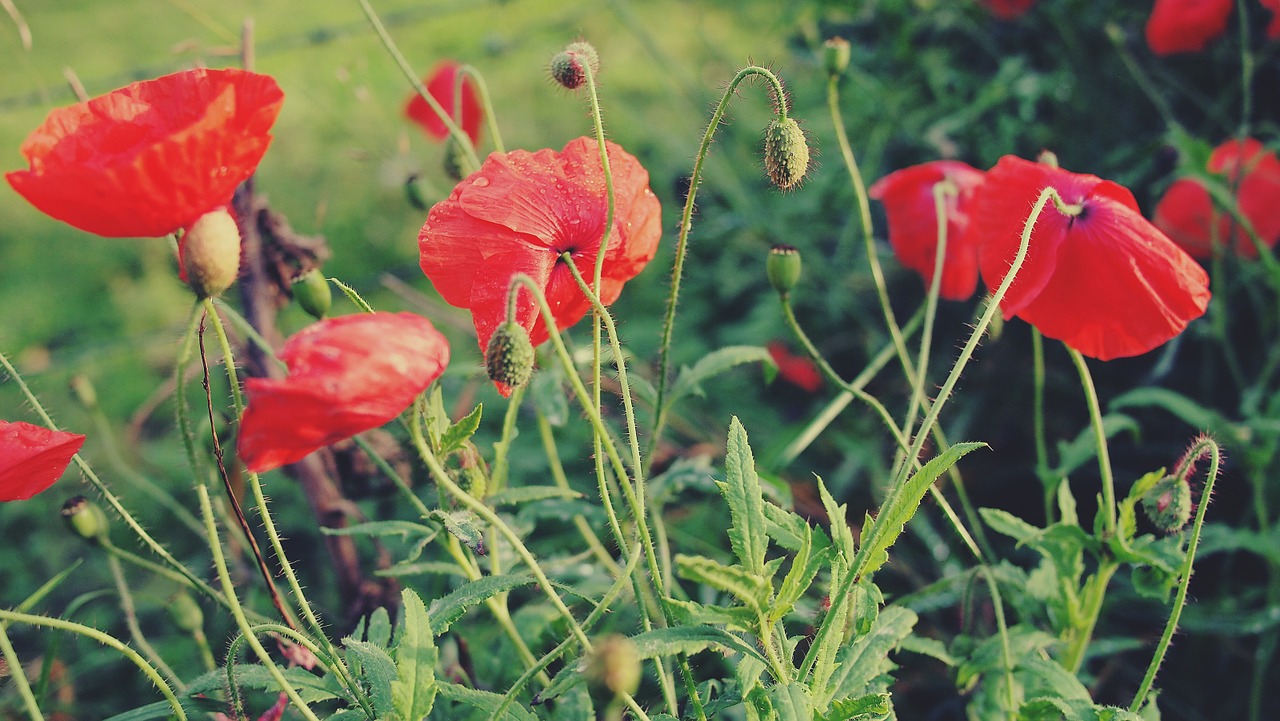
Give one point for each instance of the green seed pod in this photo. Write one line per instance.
(509, 356)
(783, 268)
(1168, 504)
(612, 667)
(185, 612)
(835, 55)
(313, 293)
(568, 65)
(786, 153)
(85, 519)
(210, 253)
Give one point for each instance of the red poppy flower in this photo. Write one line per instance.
(1104, 281)
(1188, 215)
(518, 213)
(440, 84)
(1184, 26)
(907, 195)
(346, 375)
(797, 370)
(32, 458)
(1273, 28)
(1008, 9)
(152, 157)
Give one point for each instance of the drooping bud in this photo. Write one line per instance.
(835, 55)
(454, 160)
(783, 268)
(786, 153)
(209, 253)
(313, 293)
(85, 519)
(568, 67)
(509, 356)
(413, 188)
(185, 612)
(1168, 503)
(612, 667)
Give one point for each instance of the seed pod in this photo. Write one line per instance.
(786, 153)
(509, 357)
(85, 519)
(313, 293)
(783, 268)
(835, 55)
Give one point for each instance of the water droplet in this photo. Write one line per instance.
(480, 182)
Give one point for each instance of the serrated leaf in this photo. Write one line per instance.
(463, 525)
(310, 687)
(864, 664)
(791, 702)
(692, 612)
(439, 568)
(450, 607)
(712, 364)
(689, 640)
(413, 692)
(377, 628)
(749, 588)
(901, 506)
(871, 707)
(841, 534)
(528, 494)
(457, 434)
(405, 529)
(804, 568)
(741, 489)
(375, 669)
(195, 707)
(486, 701)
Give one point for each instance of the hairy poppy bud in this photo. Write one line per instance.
(209, 253)
(85, 519)
(783, 268)
(835, 55)
(185, 612)
(453, 162)
(612, 667)
(1168, 503)
(509, 356)
(568, 65)
(786, 153)
(313, 293)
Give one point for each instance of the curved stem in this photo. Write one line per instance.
(19, 676)
(486, 104)
(131, 622)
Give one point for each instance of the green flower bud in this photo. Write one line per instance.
(835, 55)
(568, 67)
(209, 253)
(313, 293)
(1168, 503)
(509, 356)
(413, 187)
(455, 159)
(85, 519)
(783, 268)
(612, 667)
(786, 153)
(185, 612)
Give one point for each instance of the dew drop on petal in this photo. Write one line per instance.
(480, 182)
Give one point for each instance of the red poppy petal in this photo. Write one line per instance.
(1119, 288)
(1181, 26)
(1008, 9)
(151, 157)
(1185, 213)
(440, 85)
(33, 458)
(346, 375)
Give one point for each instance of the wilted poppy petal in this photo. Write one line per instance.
(440, 85)
(908, 200)
(346, 376)
(1183, 26)
(1104, 281)
(519, 213)
(33, 458)
(152, 157)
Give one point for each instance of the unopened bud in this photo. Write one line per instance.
(453, 162)
(1048, 157)
(835, 55)
(209, 253)
(509, 356)
(313, 293)
(783, 268)
(612, 667)
(185, 612)
(568, 67)
(82, 389)
(786, 153)
(1168, 503)
(413, 187)
(85, 519)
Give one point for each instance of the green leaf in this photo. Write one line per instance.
(741, 489)
(901, 506)
(871, 707)
(546, 389)
(414, 690)
(376, 669)
(692, 612)
(194, 707)
(713, 364)
(405, 529)
(791, 702)
(527, 494)
(864, 664)
(752, 589)
(485, 701)
(1084, 447)
(804, 568)
(1186, 410)
(377, 628)
(463, 525)
(449, 608)
(689, 640)
(457, 434)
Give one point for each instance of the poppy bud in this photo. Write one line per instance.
(568, 65)
(413, 190)
(509, 356)
(185, 612)
(313, 293)
(786, 154)
(453, 162)
(82, 389)
(835, 55)
(85, 519)
(1168, 503)
(612, 667)
(783, 268)
(209, 253)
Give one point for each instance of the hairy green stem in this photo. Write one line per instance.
(19, 676)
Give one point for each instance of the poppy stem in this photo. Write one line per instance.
(486, 102)
(1100, 440)
(19, 676)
